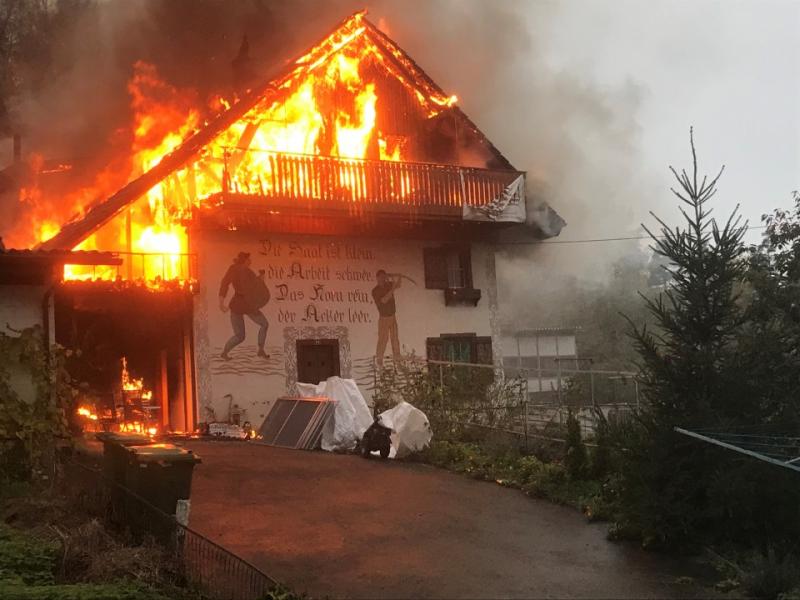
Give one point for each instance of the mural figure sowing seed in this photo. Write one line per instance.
(250, 294)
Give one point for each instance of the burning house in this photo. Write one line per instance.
(344, 210)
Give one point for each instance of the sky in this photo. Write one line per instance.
(730, 69)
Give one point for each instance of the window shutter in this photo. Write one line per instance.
(434, 347)
(483, 350)
(465, 258)
(435, 269)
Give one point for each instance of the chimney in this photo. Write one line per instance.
(17, 147)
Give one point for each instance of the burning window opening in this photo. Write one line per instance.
(131, 349)
(129, 409)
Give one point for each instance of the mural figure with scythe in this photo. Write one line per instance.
(383, 294)
(250, 295)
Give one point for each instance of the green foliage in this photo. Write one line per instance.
(770, 576)
(772, 337)
(689, 370)
(25, 560)
(29, 427)
(28, 567)
(281, 592)
(722, 354)
(575, 459)
(27, 571)
(548, 480)
(79, 591)
(600, 463)
(453, 396)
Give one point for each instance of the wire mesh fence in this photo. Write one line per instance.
(486, 398)
(197, 562)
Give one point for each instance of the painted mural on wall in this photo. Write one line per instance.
(250, 295)
(265, 293)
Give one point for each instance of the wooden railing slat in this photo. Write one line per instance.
(359, 182)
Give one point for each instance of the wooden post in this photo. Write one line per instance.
(163, 389)
(129, 242)
(188, 375)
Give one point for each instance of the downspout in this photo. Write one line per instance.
(48, 295)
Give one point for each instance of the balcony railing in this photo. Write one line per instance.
(146, 267)
(329, 181)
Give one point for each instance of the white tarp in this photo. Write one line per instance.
(351, 417)
(411, 430)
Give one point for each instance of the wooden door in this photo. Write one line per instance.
(317, 360)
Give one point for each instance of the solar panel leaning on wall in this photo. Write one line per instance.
(297, 423)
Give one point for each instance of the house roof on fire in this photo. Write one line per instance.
(276, 88)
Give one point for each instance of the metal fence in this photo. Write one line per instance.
(458, 396)
(198, 563)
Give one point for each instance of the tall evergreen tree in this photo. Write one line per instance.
(687, 365)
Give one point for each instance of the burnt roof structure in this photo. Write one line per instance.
(280, 85)
(29, 267)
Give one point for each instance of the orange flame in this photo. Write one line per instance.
(329, 106)
(87, 412)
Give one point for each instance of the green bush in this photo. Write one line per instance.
(281, 592)
(575, 458)
(769, 576)
(600, 458)
(25, 560)
(80, 591)
(535, 477)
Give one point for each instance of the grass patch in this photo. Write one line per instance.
(79, 591)
(25, 560)
(28, 567)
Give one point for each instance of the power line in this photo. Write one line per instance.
(598, 240)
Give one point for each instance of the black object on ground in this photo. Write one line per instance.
(376, 438)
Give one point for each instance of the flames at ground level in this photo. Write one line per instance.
(129, 408)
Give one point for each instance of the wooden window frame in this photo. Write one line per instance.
(436, 346)
(437, 275)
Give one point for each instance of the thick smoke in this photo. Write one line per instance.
(577, 143)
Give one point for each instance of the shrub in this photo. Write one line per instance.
(768, 576)
(575, 458)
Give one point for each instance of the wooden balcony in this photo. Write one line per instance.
(320, 183)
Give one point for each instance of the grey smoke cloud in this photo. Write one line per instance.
(580, 144)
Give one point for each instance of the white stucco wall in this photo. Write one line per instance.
(321, 289)
(20, 308)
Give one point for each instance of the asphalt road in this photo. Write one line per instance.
(343, 526)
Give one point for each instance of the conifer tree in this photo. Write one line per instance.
(687, 365)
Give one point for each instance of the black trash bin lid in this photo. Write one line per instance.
(123, 439)
(161, 453)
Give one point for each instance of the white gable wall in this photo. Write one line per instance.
(20, 308)
(321, 289)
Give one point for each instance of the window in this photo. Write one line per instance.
(460, 347)
(448, 267)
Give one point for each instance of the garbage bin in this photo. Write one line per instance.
(160, 473)
(114, 462)
(114, 455)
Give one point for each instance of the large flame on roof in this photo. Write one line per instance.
(327, 105)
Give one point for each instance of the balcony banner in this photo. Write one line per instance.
(509, 206)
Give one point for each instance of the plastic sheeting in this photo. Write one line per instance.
(351, 417)
(411, 430)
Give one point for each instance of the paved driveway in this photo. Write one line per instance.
(343, 526)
